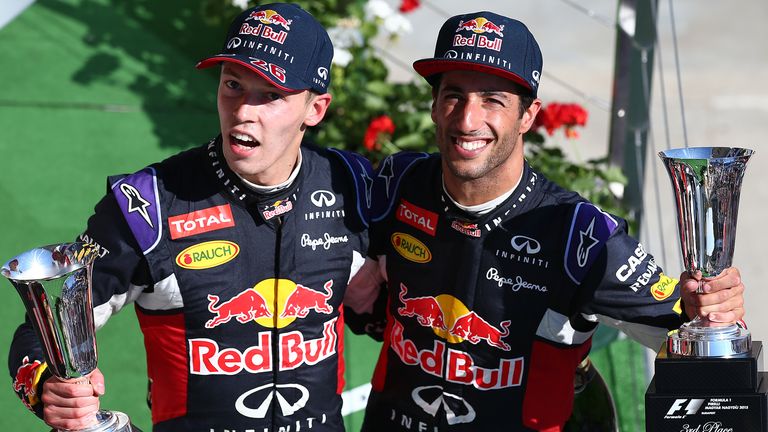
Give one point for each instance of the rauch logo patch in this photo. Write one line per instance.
(411, 248)
(207, 255)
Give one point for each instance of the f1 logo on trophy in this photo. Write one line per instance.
(707, 377)
(54, 283)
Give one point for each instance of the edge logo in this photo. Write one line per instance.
(207, 255)
(411, 248)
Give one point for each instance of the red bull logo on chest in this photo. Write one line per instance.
(258, 304)
(450, 319)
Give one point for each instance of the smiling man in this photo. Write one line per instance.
(497, 278)
(236, 254)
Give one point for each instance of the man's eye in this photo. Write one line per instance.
(274, 96)
(234, 85)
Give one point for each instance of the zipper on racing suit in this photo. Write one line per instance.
(275, 329)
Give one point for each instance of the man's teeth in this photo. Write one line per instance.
(471, 145)
(243, 137)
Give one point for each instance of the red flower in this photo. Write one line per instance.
(409, 5)
(378, 126)
(556, 115)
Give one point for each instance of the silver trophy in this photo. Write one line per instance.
(54, 283)
(707, 182)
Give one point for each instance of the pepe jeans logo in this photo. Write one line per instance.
(325, 241)
(515, 283)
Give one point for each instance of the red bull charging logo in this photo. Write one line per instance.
(25, 380)
(478, 26)
(270, 17)
(258, 304)
(481, 25)
(450, 319)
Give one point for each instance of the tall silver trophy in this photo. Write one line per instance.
(54, 283)
(706, 183)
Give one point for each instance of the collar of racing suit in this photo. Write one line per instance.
(268, 204)
(526, 195)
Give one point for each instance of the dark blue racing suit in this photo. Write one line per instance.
(238, 294)
(489, 316)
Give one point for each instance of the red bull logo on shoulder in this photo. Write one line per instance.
(270, 17)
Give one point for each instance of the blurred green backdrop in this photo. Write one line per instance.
(92, 88)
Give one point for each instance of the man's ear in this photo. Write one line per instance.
(529, 116)
(316, 108)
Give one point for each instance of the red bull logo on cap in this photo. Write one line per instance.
(481, 25)
(270, 17)
(478, 26)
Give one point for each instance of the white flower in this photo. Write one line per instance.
(377, 9)
(617, 189)
(341, 57)
(242, 4)
(345, 35)
(396, 24)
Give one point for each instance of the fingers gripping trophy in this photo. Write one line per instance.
(707, 377)
(54, 283)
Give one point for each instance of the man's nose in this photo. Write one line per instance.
(469, 116)
(248, 108)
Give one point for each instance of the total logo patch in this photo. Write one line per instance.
(664, 288)
(207, 255)
(411, 248)
(417, 217)
(201, 221)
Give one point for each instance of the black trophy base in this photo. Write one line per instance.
(698, 411)
(735, 374)
(708, 394)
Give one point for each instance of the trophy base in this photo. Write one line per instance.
(708, 374)
(723, 342)
(708, 393)
(735, 411)
(109, 421)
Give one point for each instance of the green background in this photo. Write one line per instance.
(93, 88)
